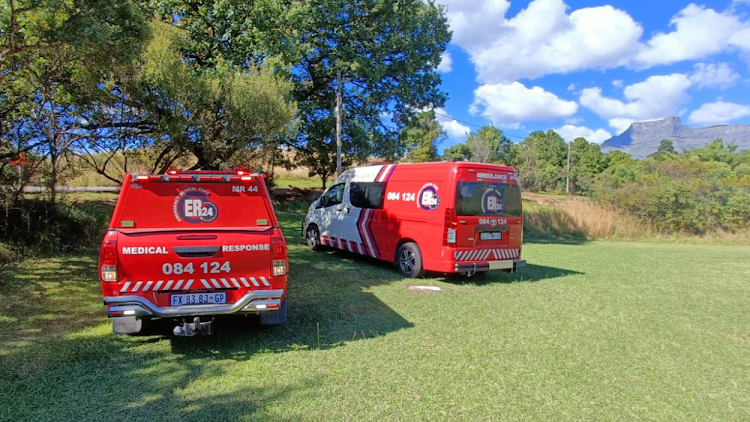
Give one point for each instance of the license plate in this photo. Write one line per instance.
(491, 236)
(198, 299)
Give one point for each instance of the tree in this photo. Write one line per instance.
(57, 58)
(540, 159)
(587, 161)
(420, 136)
(488, 145)
(458, 152)
(665, 151)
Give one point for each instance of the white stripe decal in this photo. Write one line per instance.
(506, 254)
(169, 285)
(216, 283)
(226, 283)
(364, 231)
(148, 286)
(385, 172)
(486, 254)
(474, 255)
(236, 283)
(158, 285)
(177, 286)
(205, 283)
(461, 255)
(244, 281)
(137, 286)
(494, 254)
(255, 282)
(125, 287)
(263, 279)
(189, 283)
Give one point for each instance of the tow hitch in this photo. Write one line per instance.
(189, 329)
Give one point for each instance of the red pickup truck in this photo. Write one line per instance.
(192, 245)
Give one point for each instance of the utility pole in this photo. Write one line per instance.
(567, 181)
(338, 124)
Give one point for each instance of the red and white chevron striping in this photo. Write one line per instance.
(485, 254)
(187, 284)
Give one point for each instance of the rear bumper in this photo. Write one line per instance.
(474, 267)
(254, 301)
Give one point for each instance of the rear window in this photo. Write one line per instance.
(488, 199)
(181, 205)
(367, 194)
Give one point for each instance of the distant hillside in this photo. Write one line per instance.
(643, 138)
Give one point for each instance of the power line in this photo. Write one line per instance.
(475, 125)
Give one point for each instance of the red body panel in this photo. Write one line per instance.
(174, 236)
(416, 200)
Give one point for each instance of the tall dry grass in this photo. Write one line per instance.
(580, 217)
(585, 218)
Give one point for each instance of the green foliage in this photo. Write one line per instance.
(489, 145)
(214, 113)
(587, 162)
(420, 136)
(540, 160)
(458, 152)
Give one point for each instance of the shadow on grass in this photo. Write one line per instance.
(529, 273)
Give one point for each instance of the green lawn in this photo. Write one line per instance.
(590, 331)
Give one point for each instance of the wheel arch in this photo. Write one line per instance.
(401, 243)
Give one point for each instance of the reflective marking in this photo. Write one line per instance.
(216, 283)
(205, 283)
(158, 285)
(137, 286)
(189, 283)
(486, 254)
(364, 232)
(244, 281)
(359, 246)
(236, 283)
(255, 282)
(226, 283)
(125, 287)
(385, 173)
(169, 285)
(338, 240)
(177, 286)
(263, 279)
(148, 286)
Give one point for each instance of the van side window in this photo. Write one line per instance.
(333, 196)
(367, 194)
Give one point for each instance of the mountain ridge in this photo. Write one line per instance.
(643, 138)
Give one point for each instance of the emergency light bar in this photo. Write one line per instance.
(198, 176)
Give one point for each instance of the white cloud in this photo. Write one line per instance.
(718, 113)
(446, 63)
(541, 39)
(617, 83)
(570, 133)
(714, 75)
(657, 97)
(548, 38)
(699, 32)
(572, 87)
(510, 104)
(452, 128)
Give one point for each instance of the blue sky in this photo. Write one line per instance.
(590, 68)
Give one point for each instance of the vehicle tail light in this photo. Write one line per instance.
(278, 256)
(108, 261)
(449, 231)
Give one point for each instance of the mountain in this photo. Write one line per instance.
(643, 138)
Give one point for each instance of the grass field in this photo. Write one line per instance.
(588, 331)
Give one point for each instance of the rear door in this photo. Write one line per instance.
(488, 208)
(186, 236)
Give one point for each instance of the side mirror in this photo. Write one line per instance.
(319, 203)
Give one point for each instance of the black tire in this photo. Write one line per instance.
(274, 317)
(409, 260)
(312, 235)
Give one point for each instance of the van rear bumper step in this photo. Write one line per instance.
(254, 301)
(473, 267)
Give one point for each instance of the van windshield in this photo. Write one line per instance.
(488, 199)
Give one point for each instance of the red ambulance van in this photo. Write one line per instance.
(448, 217)
(191, 245)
